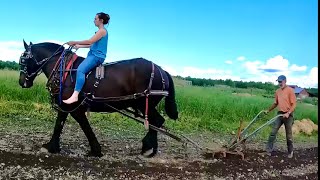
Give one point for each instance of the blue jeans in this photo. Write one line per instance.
(87, 64)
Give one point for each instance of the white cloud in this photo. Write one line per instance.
(275, 66)
(257, 71)
(170, 70)
(202, 73)
(11, 50)
(295, 67)
(228, 62)
(252, 66)
(277, 62)
(241, 58)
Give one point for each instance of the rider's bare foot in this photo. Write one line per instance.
(73, 98)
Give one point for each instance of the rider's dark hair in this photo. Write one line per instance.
(105, 17)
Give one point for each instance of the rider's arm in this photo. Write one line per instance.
(93, 39)
(83, 46)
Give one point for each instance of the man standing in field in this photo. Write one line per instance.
(285, 99)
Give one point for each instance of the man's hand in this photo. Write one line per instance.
(286, 115)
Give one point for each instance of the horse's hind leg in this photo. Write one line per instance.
(54, 144)
(80, 117)
(150, 141)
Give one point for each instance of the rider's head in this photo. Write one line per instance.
(101, 18)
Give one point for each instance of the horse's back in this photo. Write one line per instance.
(122, 78)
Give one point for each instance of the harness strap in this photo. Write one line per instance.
(70, 63)
(146, 122)
(54, 68)
(147, 91)
(151, 79)
(162, 80)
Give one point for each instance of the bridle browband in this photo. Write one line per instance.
(39, 63)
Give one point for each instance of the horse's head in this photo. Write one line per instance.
(33, 59)
(28, 66)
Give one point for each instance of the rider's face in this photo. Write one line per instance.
(97, 21)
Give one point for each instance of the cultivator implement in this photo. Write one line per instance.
(237, 144)
(235, 147)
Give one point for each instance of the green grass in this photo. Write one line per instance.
(200, 108)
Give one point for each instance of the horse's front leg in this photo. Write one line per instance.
(80, 116)
(150, 141)
(53, 146)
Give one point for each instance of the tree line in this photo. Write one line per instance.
(11, 65)
(228, 82)
(269, 87)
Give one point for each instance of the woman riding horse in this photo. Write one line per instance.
(97, 54)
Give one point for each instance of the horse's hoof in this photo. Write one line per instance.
(151, 155)
(147, 153)
(44, 150)
(49, 148)
(94, 154)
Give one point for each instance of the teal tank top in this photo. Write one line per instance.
(99, 48)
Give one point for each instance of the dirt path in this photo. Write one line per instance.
(20, 157)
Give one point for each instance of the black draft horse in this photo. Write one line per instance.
(122, 79)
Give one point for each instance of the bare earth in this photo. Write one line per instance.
(21, 158)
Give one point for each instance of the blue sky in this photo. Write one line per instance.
(242, 40)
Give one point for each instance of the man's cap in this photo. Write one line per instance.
(281, 78)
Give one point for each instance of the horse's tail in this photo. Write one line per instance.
(170, 105)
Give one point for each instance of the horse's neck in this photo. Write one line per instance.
(48, 68)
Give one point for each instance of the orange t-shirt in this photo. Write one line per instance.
(285, 99)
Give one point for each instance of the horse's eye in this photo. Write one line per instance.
(27, 56)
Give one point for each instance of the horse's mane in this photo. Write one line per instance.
(50, 46)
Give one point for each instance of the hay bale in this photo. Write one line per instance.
(295, 129)
(315, 127)
(311, 123)
(306, 127)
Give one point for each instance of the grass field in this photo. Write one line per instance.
(201, 108)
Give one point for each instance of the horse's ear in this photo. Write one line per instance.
(25, 45)
(31, 43)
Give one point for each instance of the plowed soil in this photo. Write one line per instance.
(21, 158)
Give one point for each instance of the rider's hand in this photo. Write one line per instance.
(71, 43)
(77, 46)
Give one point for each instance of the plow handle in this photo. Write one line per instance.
(257, 130)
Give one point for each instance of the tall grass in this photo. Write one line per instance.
(11, 90)
(200, 108)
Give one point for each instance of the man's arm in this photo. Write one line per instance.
(275, 104)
